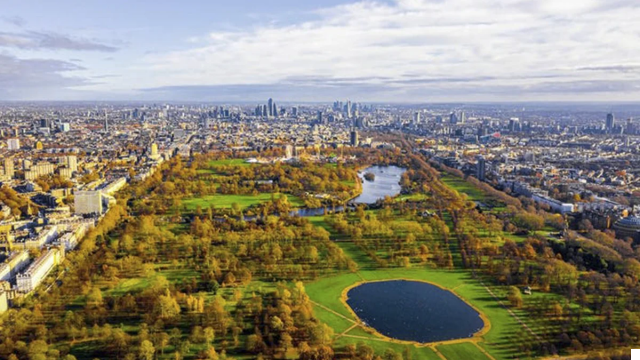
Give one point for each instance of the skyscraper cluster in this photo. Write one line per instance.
(349, 109)
(268, 110)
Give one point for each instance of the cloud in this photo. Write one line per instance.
(453, 48)
(34, 78)
(612, 68)
(378, 50)
(14, 20)
(33, 40)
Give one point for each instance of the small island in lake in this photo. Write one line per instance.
(369, 176)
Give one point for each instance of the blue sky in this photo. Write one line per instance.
(395, 50)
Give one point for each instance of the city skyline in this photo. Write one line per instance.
(374, 51)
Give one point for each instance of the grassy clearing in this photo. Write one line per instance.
(501, 341)
(245, 201)
(230, 162)
(462, 351)
(411, 197)
(462, 186)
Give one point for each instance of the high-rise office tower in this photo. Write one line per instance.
(270, 106)
(453, 118)
(463, 117)
(349, 109)
(481, 168)
(514, 124)
(416, 117)
(610, 122)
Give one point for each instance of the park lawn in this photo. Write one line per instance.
(465, 350)
(132, 286)
(318, 221)
(359, 331)
(327, 291)
(338, 324)
(502, 340)
(348, 183)
(411, 197)
(379, 347)
(230, 162)
(464, 187)
(356, 254)
(245, 201)
(506, 334)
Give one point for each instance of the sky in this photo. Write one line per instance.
(298, 50)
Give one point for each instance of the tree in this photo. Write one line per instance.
(391, 355)
(146, 350)
(209, 335)
(321, 334)
(166, 307)
(515, 297)
(94, 298)
(365, 352)
(38, 349)
(162, 340)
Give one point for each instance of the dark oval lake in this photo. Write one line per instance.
(414, 311)
(386, 183)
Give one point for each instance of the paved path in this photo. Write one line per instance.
(482, 350)
(346, 331)
(366, 338)
(435, 350)
(333, 312)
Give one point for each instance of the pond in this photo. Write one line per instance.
(414, 311)
(385, 183)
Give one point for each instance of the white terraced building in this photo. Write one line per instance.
(38, 270)
(15, 264)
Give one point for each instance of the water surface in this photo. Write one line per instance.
(414, 311)
(386, 183)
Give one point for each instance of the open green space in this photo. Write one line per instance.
(501, 340)
(245, 201)
(230, 162)
(411, 197)
(463, 187)
(461, 351)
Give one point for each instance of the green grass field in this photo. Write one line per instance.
(411, 197)
(462, 351)
(230, 162)
(501, 341)
(463, 187)
(226, 201)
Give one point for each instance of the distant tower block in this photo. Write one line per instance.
(354, 138)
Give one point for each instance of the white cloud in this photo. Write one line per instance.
(495, 45)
